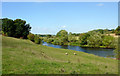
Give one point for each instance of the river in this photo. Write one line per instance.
(96, 51)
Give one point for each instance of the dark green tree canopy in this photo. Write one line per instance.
(22, 29)
(8, 26)
(17, 28)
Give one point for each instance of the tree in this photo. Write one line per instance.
(117, 50)
(106, 31)
(22, 29)
(31, 37)
(108, 41)
(112, 31)
(101, 31)
(64, 39)
(117, 30)
(57, 42)
(95, 40)
(26, 30)
(17, 28)
(83, 38)
(48, 36)
(37, 40)
(50, 40)
(8, 27)
(71, 37)
(62, 33)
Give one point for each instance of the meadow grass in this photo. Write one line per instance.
(25, 57)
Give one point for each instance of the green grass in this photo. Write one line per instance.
(0, 55)
(24, 57)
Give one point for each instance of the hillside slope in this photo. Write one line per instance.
(24, 57)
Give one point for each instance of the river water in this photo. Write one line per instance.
(96, 51)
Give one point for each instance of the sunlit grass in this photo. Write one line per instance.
(24, 57)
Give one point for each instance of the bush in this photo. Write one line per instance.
(108, 41)
(50, 40)
(117, 50)
(31, 37)
(37, 40)
(117, 31)
(95, 39)
(83, 38)
(21, 37)
(56, 42)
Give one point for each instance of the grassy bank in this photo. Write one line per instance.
(24, 57)
(87, 46)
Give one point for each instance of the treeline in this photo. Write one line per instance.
(95, 38)
(19, 29)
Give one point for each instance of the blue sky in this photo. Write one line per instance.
(76, 17)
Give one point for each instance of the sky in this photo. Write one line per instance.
(75, 17)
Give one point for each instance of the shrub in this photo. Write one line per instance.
(56, 42)
(117, 50)
(117, 31)
(31, 37)
(45, 39)
(83, 38)
(95, 40)
(50, 40)
(37, 40)
(108, 41)
(21, 37)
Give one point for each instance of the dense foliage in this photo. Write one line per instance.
(60, 39)
(117, 31)
(15, 28)
(96, 38)
(37, 40)
(31, 37)
(117, 50)
(83, 38)
(34, 38)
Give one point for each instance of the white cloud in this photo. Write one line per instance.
(100, 4)
(42, 30)
(63, 26)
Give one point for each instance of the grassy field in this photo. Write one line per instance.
(24, 57)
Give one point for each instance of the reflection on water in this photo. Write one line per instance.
(96, 51)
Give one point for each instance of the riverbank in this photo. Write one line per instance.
(96, 51)
(90, 39)
(86, 46)
(25, 57)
